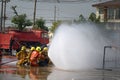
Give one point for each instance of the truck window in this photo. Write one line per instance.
(44, 35)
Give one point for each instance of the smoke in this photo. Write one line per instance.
(76, 47)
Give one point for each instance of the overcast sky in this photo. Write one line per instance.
(64, 11)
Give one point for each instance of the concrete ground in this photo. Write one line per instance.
(9, 71)
(7, 59)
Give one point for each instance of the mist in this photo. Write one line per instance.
(76, 47)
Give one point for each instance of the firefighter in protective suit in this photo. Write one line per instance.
(44, 59)
(21, 56)
(29, 54)
(34, 58)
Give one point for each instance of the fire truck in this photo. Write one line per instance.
(14, 39)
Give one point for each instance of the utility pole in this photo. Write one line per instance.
(55, 13)
(1, 16)
(4, 15)
(34, 14)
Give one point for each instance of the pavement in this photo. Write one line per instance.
(7, 59)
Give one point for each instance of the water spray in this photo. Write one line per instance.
(76, 47)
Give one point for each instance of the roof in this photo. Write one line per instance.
(108, 4)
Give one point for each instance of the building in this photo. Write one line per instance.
(108, 11)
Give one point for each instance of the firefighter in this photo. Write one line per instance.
(21, 56)
(29, 54)
(35, 57)
(45, 51)
(44, 59)
(0, 55)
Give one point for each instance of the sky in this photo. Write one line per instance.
(46, 10)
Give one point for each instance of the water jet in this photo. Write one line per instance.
(76, 47)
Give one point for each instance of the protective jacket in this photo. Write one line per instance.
(21, 55)
(34, 58)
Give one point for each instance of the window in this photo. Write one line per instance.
(101, 10)
(110, 13)
(45, 35)
(113, 13)
(117, 16)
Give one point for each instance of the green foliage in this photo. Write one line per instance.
(81, 19)
(21, 21)
(93, 18)
(40, 24)
(54, 26)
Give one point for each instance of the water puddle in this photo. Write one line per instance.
(12, 72)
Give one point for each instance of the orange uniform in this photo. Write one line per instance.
(34, 58)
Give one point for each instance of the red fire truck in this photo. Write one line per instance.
(14, 39)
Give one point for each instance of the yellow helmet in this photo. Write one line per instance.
(38, 48)
(45, 49)
(32, 48)
(23, 48)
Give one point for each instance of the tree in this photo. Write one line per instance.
(93, 18)
(81, 19)
(40, 24)
(21, 21)
(54, 26)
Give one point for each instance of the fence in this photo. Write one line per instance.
(111, 57)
